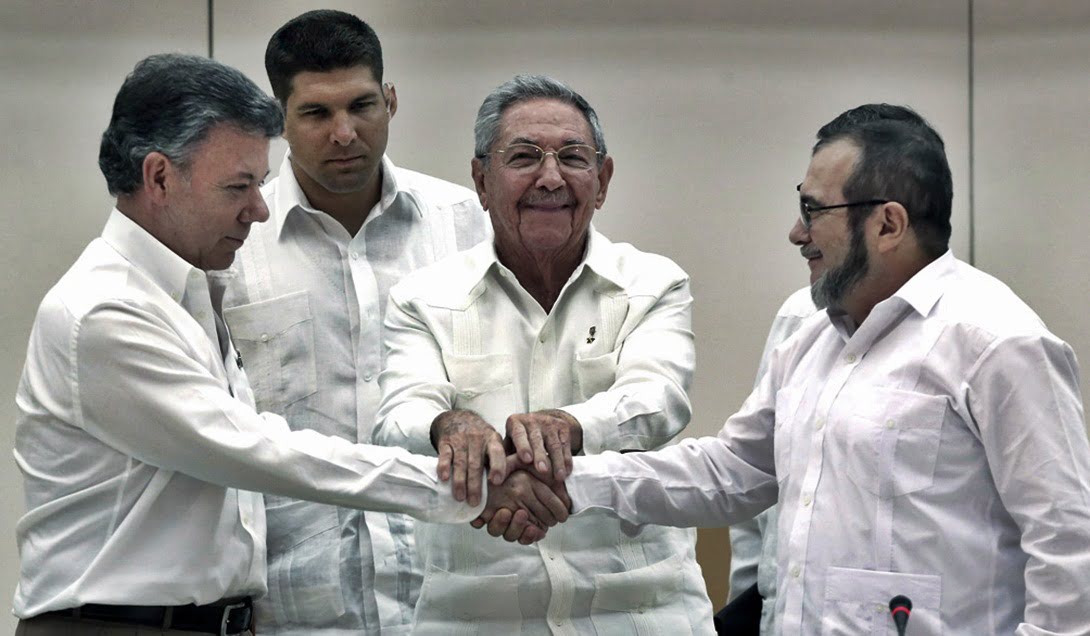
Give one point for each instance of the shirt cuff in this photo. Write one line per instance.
(598, 432)
(445, 508)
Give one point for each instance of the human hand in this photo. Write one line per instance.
(545, 440)
(523, 507)
(466, 444)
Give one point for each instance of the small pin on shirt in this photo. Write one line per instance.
(590, 338)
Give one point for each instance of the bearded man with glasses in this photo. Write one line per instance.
(548, 342)
(923, 435)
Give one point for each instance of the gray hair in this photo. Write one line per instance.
(168, 104)
(522, 88)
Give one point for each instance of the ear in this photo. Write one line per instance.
(389, 91)
(157, 171)
(605, 173)
(478, 168)
(893, 226)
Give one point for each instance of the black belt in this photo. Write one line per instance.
(226, 617)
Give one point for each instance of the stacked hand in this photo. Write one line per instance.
(527, 494)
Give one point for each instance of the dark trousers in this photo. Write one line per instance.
(66, 626)
(742, 616)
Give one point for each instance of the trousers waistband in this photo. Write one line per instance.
(226, 617)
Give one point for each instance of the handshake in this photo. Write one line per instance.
(526, 469)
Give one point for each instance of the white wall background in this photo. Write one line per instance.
(709, 107)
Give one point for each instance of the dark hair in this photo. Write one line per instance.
(523, 88)
(320, 41)
(168, 104)
(902, 158)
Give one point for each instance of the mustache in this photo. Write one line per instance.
(809, 252)
(547, 198)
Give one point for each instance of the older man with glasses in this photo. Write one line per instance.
(547, 342)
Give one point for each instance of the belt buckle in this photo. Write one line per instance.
(227, 609)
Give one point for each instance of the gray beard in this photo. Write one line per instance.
(829, 289)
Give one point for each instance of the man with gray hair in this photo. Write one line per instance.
(548, 341)
(136, 434)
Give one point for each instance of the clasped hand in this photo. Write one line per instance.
(527, 494)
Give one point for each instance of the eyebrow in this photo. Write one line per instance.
(806, 198)
(248, 176)
(567, 142)
(369, 94)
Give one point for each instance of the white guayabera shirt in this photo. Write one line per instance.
(616, 352)
(937, 451)
(753, 542)
(136, 431)
(306, 309)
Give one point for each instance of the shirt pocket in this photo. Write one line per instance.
(857, 602)
(645, 600)
(483, 384)
(892, 439)
(593, 374)
(276, 340)
(466, 604)
(787, 406)
(304, 563)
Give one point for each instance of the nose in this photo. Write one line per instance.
(798, 235)
(343, 132)
(549, 176)
(255, 211)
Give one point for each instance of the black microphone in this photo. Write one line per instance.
(901, 608)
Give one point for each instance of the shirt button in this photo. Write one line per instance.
(850, 358)
(807, 499)
(541, 338)
(264, 337)
(796, 571)
(820, 423)
(367, 377)
(890, 424)
(355, 256)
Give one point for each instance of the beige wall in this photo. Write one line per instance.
(709, 107)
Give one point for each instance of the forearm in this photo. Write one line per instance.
(695, 483)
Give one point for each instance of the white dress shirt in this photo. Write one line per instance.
(753, 542)
(616, 352)
(306, 310)
(134, 438)
(937, 451)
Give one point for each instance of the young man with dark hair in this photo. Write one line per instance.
(307, 305)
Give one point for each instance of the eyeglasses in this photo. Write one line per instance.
(529, 157)
(808, 212)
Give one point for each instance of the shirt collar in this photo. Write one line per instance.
(601, 258)
(165, 268)
(928, 285)
(920, 293)
(289, 195)
(597, 257)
